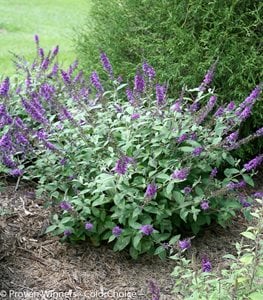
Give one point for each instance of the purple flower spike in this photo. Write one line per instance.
(146, 229)
(184, 244)
(55, 52)
(16, 172)
(106, 64)
(187, 190)
(151, 190)
(231, 106)
(65, 206)
(212, 101)
(206, 265)
(139, 84)
(208, 78)
(238, 185)
(182, 138)
(243, 201)
(4, 87)
(65, 77)
(89, 226)
(213, 172)
(180, 174)
(232, 138)
(219, 112)
(122, 165)
(204, 205)
(245, 113)
(36, 37)
(135, 116)
(148, 71)
(95, 81)
(154, 290)
(67, 232)
(197, 151)
(160, 94)
(194, 107)
(259, 132)
(117, 231)
(258, 195)
(130, 96)
(176, 107)
(254, 163)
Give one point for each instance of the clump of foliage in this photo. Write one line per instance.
(242, 279)
(181, 39)
(130, 168)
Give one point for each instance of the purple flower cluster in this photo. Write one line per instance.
(180, 174)
(154, 290)
(149, 71)
(184, 244)
(254, 163)
(130, 96)
(160, 94)
(139, 84)
(204, 205)
(117, 231)
(197, 151)
(206, 265)
(16, 172)
(151, 190)
(4, 87)
(219, 112)
(259, 132)
(258, 195)
(146, 229)
(187, 190)
(65, 205)
(208, 78)
(106, 64)
(176, 107)
(5, 118)
(122, 164)
(135, 116)
(213, 172)
(231, 106)
(95, 81)
(243, 201)
(89, 226)
(35, 110)
(182, 138)
(238, 185)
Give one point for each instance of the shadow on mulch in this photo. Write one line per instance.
(32, 263)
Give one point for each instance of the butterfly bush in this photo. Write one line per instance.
(123, 162)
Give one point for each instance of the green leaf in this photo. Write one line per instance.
(51, 228)
(187, 149)
(174, 239)
(163, 176)
(136, 241)
(170, 188)
(249, 235)
(256, 295)
(248, 179)
(121, 243)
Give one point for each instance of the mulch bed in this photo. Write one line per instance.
(32, 263)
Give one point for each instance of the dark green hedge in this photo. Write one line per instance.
(181, 38)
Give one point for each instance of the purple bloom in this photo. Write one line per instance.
(160, 94)
(219, 112)
(67, 232)
(213, 172)
(8, 162)
(206, 265)
(193, 136)
(187, 190)
(4, 87)
(194, 107)
(54, 71)
(212, 101)
(45, 63)
(146, 229)
(238, 185)
(89, 226)
(66, 114)
(106, 64)
(122, 165)
(35, 111)
(258, 195)
(232, 137)
(197, 151)
(41, 53)
(117, 107)
(204, 205)
(251, 99)
(65, 77)
(148, 71)
(65, 206)
(16, 172)
(154, 290)
(180, 174)
(182, 138)
(6, 142)
(47, 91)
(130, 96)
(243, 201)
(254, 163)
(21, 138)
(259, 132)
(245, 113)
(117, 231)
(55, 52)
(50, 146)
(95, 81)
(184, 244)
(139, 84)
(176, 106)
(135, 116)
(231, 106)
(208, 78)
(36, 37)
(151, 190)
(41, 135)
(63, 161)
(78, 77)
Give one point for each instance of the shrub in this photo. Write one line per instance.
(134, 173)
(241, 279)
(181, 39)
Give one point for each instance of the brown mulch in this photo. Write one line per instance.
(32, 263)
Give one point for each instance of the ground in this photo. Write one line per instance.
(31, 261)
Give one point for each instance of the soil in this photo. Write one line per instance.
(38, 266)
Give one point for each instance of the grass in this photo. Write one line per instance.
(53, 20)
